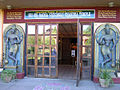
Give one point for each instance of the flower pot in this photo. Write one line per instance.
(104, 83)
(20, 75)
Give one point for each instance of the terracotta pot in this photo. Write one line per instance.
(103, 83)
(20, 75)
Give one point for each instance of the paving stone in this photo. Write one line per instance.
(52, 84)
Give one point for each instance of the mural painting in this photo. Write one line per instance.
(106, 48)
(13, 48)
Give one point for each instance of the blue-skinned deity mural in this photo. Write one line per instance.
(106, 47)
(13, 48)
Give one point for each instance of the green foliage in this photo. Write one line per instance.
(88, 30)
(31, 40)
(40, 40)
(54, 31)
(88, 42)
(105, 74)
(5, 74)
(53, 41)
(47, 40)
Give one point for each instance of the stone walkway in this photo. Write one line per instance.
(52, 84)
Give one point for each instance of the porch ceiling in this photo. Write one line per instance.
(56, 3)
(68, 30)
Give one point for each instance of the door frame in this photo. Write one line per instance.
(92, 33)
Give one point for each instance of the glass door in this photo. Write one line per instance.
(46, 54)
(86, 52)
(30, 67)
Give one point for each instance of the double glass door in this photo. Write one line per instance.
(42, 54)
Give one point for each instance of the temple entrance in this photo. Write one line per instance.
(53, 49)
(67, 51)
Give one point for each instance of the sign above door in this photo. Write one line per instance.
(60, 14)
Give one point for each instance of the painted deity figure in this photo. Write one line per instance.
(106, 49)
(13, 41)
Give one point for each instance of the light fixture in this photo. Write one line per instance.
(111, 4)
(9, 7)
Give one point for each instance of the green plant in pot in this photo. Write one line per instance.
(7, 75)
(105, 78)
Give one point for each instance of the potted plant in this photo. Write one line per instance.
(105, 78)
(7, 75)
(19, 74)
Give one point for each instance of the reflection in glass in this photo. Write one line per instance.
(86, 73)
(53, 71)
(47, 29)
(46, 71)
(40, 59)
(53, 51)
(39, 70)
(31, 29)
(31, 71)
(31, 60)
(53, 61)
(40, 40)
(40, 50)
(40, 29)
(86, 29)
(53, 40)
(86, 40)
(47, 40)
(85, 62)
(31, 50)
(54, 29)
(31, 40)
(86, 51)
(47, 51)
(46, 61)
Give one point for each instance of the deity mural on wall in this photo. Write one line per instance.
(106, 47)
(13, 47)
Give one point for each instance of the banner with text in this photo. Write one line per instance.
(60, 14)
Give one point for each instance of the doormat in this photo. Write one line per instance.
(52, 86)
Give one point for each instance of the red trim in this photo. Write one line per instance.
(115, 80)
(63, 20)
